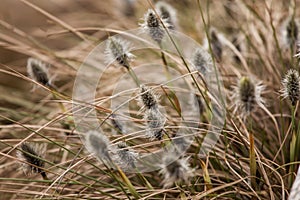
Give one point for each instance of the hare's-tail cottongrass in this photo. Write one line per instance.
(152, 26)
(38, 71)
(124, 157)
(216, 43)
(167, 12)
(32, 157)
(175, 170)
(118, 50)
(247, 96)
(182, 142)
(202, 61)
(292, 30)
(116, 123)
(154, 124)
(295, 191)
(154, 119)
(147, 97)
(98, 144)
(291, 86)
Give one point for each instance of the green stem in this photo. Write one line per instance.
(294, 148)
(252, 156)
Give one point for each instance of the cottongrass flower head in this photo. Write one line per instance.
(290, 32)
(147, 97)
(98, 144)
(295, 191)
(202, 61)
(154, 124)
(291, 86)
(32, 157)
(153, 26)
(216, 42)
(38, 71)
(247, 96)
(175, 170)
(116, 123)
(181, 142)
(118, 50)
(125, 157)
(167, 12)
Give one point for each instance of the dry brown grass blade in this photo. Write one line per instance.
(55, 19)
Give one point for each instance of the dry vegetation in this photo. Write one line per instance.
(254, 44)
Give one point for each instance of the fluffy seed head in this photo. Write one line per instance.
(247, 96)
(153, 26)
(125, 158)
(202, 61)
(175, 171)
(147, 97)
(295, 191)
(216, 44)
(167, 12)
(155, 123)
(98, 145)
(118, 50)
(291, 86)
(292, 30)
(37, 70)
(31, 156)
(181, 142)
(117, 124)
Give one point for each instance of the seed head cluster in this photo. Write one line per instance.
(117, 124)
(148, 98)
(295, 191)
(155, 124)
(247, 96)
(291, 86)
(292, 31)
(168, 13)
(202, 61)
(32, 157)
(125, 157)
(118, 50)
(38, 71)
(152, 25)
(175, 170)
(155, 120)
(98, 144)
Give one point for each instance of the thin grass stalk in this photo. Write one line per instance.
(275, 35)
(252, 160)
(128, 183)
(293, 147)
(49, 181)
(206, 176)
(64, 168)
(182, 58)
(213, 59)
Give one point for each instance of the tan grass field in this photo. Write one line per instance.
(251, 44)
